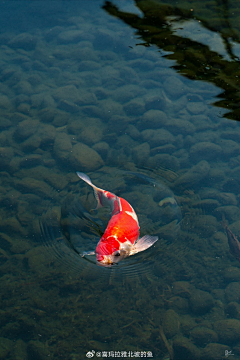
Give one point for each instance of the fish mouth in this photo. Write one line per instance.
(107, 261)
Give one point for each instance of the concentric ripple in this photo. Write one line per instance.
(76, 229)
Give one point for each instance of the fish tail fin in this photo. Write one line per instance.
(144, 243)
(97, 191)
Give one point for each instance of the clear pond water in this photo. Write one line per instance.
(143, 96)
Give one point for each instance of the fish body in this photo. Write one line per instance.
(121, 237)
(233, 242)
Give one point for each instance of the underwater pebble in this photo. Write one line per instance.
(70, 36)
(24, 41)
(182, 288)
(125, 93)
(52, 177)
(185, 349)
(205, 150)
(229, 147)
(32, 143)
(174, 86)
(164, 160)
(232, 292)
(233, 310)
(68, 106)
(228, 330)
(206, 225)
(62, 146)
(164, 149)
(154, 119)
(11, 224)
(38, 350)
(200, 301)
(4, 123)
(23, 87)
(5, 103)
(134, 107)
(37, 187)
(91, 134)
(47, 134)
(67, 93)
(133, 132)
(170, 323)
(179, 304)
(102, 148)
(227, 198)
(39, 259)
(193, 176)
(232, 273)
(26, 128)
(196, 108)
(202, 335)
(214, 351)
(20, 350)
(231, 134)
(157, 137)
(140, 153)
(6, 155)
(231, 212)
(178, 126)
(83, 158)
(6, 346)
(153, 101)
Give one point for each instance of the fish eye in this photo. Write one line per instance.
(116, 253)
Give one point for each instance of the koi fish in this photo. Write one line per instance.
(121, 237)
(233, 242)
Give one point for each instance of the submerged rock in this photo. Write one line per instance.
(24, 41)
(6, 155)
(157, 137)
(185, 349)
(193, 176)
(85, 158)
(5, 347)
(232, 292)
(214, 351)
(171, 323)
(201, 301)
(62, 146)
(205, 150)
(228, 330)
(202, 335)
(26, 128)
(140, 153)
(20, 350)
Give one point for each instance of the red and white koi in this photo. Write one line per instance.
(121, 237)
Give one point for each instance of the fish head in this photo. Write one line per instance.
(110, 260)
(109, 254)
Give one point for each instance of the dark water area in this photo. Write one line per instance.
(143, 96)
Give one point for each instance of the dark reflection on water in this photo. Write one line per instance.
(162, 23)
(78, 93)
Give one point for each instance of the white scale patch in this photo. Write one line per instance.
(133, 215)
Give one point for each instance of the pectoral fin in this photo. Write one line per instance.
(143, 244)
(88, 253)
